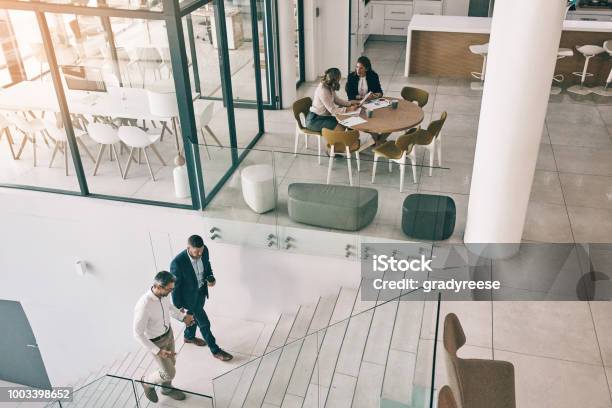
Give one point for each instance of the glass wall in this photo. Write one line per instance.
(211, 114)
(129, 105)
(34, 148)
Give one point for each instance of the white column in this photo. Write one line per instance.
(523, 47)
(286, 34)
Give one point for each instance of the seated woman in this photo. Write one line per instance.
(326, 104)
(362, 81)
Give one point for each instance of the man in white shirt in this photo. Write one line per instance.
(153, 329)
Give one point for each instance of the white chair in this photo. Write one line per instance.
(483, 51)
(29, 129)
(105, 135)
(5, 131)
(136, 138)
(203, 116)
(164, 105)
(588, 51)
(145, 59)
(604, 90)
(61, 143)
(38, 52)
(561, 53)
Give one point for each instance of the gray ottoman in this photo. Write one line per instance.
(331, 206)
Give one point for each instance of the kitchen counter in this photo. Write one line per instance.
(451, 35)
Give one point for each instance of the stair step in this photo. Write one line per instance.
(399, 376)
(341, 391)
(344, 304)
(369, 385)
(362, 305)
(323, 313)
(407, 323)
(281, 331)
(354, 343)
(260, 383)
(315, 396)
(381, 330)
(328, 355)
(302, 322)
(241, 389)
(292, 401)
(282, 373)
(264, 339)
(305, 364)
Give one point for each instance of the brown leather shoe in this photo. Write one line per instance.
(197, 341)
(223, 355)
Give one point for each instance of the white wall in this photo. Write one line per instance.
(326, 36)
(84, 322)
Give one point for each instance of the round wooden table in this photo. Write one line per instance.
(388, 120)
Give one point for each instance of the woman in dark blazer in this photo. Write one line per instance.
(363, 80)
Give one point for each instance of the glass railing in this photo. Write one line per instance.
(281, 203)
(115, 391)
(382, 354)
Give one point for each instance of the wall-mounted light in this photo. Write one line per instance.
(81, 267)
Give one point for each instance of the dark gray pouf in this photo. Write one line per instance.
(428, 217)
(332, 206)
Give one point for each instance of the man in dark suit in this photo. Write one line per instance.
(193, 278)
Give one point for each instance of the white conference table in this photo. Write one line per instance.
(128, 103)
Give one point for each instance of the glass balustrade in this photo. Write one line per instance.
(279, 198)
(382, 353)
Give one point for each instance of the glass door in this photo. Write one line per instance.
(299, 41)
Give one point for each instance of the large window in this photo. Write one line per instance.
(131, 105)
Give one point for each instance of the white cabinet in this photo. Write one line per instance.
(396, 27)
(390, 17)
(430, 7)
(377, 19)
(456, 7)
(398, 11)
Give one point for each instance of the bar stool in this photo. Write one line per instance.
(562, 53)
(606, 90)
(589, 51)
(482, 50)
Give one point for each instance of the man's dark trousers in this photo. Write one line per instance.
(187, 295)
(203, 323)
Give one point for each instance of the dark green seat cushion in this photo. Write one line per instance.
(428, 217)
(331, 206)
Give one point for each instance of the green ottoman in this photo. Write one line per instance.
(428, 217)
(331, 206)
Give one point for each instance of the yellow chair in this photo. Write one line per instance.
(415, 95)
(301, 107)
(346, 142)
(397, 151)
(430, 138)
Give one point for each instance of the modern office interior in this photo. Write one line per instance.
(495, 127)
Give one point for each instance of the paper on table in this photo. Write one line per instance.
(351, 113)
(354, 121)
(377, 104)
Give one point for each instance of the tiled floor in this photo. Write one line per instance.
(571, 198)
(559, 350)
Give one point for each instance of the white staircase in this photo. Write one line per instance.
(339, 352)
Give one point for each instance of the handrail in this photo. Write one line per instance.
(274, 150)
(159, 385)
(132, 380)
(319, 330)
